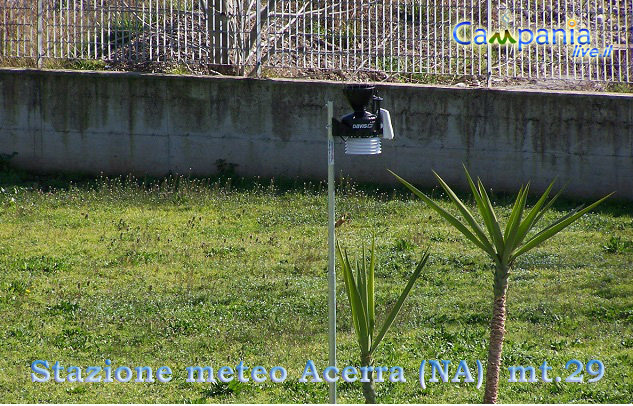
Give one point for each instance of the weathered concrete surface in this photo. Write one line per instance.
(117, 123)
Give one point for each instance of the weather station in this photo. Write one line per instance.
(363, 132)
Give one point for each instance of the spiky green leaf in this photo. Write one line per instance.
(554, 228)
(370, 288)
(446, 215)
(483, 211)
(358, 312)
(495, 228)
(549, 204)
(514, 222)
(529, 222)
(465, 212)
(517, 209)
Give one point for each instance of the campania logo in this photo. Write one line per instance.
(570, 35)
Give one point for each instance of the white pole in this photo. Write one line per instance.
(331, 258)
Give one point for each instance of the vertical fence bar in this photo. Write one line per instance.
(199, 31)
(406, 36)
(428, 36)
(116, 32)
(40, 33)
(362, 36)
(192, 41)
(446, 41)
(500, 50)
(16, 41)
(149, 31)
(9, 39)
(74, 39)
(46, 30)
(306, 40)
(605, 63)
(258, 7)
(66, 27)
(81, 29)
(171, 26)
(330, 35)
(178, 32)
(163, 11)
(186, 34)
(3, 40)
(435, 41)
(23, 39)
(49, 42)
(377, 45)
(389, 67)
(488, 44)
(100, 34)
(627, 51)
(109, 32)
(93, 28)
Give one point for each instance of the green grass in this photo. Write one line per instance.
(182, 272)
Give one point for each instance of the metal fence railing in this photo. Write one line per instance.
(417, 37)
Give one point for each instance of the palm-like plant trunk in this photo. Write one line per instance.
(369, 389)
(503, 247)
(495, 346)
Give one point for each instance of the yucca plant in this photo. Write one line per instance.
(360, 292)
(503, 247)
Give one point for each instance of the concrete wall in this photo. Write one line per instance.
(119, 123)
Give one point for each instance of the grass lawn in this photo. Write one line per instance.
(201, 272)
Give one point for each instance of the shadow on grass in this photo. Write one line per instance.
(228, 181)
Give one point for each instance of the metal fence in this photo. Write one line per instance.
(415, 37)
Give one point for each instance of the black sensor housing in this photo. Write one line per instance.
(361, 123)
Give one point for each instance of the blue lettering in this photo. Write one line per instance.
(349, 374)
(364, 373)
(225, 371)
(310, 370)
(559, 31)
(542, 37)
(56, 370)
(37, 370)
(273, 376)
(521, 42)
(379, 371)
(201, 371)
(240, 372)
(481, 36)
(74, 374)
(584, 33)
(435, 366)
(163, 371)
(108, 371)
(462, 370)
(455, 33)
(397, 375)
(256, 372)
(329, 374)
(139, 374)
(92, 374)
(119, 371)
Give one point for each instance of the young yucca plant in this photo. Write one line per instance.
(503, 247)
(360, 292)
